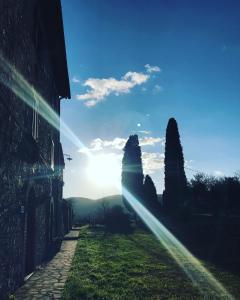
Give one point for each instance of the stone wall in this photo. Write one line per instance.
(28, 206)
(67, 216)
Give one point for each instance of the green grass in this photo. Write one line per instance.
(134, 266)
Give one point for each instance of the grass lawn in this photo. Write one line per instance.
(134, 266)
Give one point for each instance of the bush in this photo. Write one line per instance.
(116, 220)
(216, 195)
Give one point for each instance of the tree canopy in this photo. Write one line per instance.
(132, 170)
(150, 196)
(175, 178)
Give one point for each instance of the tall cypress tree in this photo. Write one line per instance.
(175, 178)
(132, 171)
(150, 196)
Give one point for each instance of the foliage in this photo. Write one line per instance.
(132, 267)
(216, 195)
(132, 171)
(88, 211)
(175, 178)
(150, 196)
(117, 221)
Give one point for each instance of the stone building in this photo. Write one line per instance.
(33, 72)
(67, 216)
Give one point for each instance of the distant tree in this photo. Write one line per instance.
(215, 195)
(199, 191)
(101, 212)
(224, 196)
(104, 209)
(150, 196)
(132, 171)
(233, 194)
(175, 178)
(117, 220)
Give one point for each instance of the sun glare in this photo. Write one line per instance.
(104, 169)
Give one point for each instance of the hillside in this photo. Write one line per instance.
(84, 207)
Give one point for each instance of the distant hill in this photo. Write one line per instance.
(83, 207)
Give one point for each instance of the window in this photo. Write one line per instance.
(35, 116)
(52, 156)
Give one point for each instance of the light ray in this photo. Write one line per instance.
(207, 284)
(29, 95)
(200, 276)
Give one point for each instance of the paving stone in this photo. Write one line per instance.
(48, 282)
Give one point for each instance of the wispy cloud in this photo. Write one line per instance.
(152, 69)
(150, 141)
(144, 132)
(99, 144)
(157, 89)
(119, 143)
(188, 163)
(152, 162)
(75, 80)
(218, 173)
(100, 88)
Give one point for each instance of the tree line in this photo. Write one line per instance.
(202, 194)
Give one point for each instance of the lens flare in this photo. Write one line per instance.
(104, 170)
(200, 276)
(11, 78)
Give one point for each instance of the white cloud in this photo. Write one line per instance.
(157, 89)
(152, 69)
(136, 78)
(83, 150)
(99, 89)
(75, 80)
(152, 162)
(150, 141)
(119, 143)
(96, 145)
(144, 132)
(218, 173)
(188, 163)
(99, 144)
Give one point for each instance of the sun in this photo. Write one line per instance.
(104, 169)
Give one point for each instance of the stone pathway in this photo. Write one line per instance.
(48, 282)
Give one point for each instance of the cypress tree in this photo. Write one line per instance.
(132, 171)
(150, 196)
(175, 178)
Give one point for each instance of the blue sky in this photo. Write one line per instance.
(195, 44)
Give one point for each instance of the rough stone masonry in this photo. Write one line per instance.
(31, 156)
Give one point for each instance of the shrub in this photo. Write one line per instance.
(116, 220)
